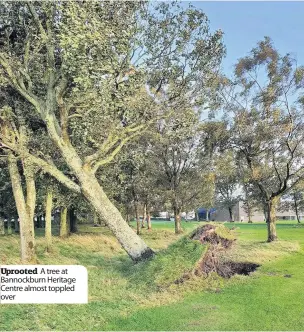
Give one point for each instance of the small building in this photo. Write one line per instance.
(222, 214)
(206, 214)
(239, 214)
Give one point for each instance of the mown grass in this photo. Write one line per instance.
(124, 296)
(169, 264)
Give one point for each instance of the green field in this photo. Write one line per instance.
(124, 296)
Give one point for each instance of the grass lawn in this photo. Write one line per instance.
(124, 296)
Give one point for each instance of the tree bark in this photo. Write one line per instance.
(144, 216)
(101, 222)
(72, 220)
(9, 227)
(230, 214)
(271, 218)
(29, 175)
(25, 221)
(265, 208)
(64, 227)
(41, 221)
(197, 216)
(16, 226)
(48, 219)
(137, 218)
(36, 221)
(149, 224)
(95, 195)
(2, 229)
(177, 220)
(168, 216)
(128, 218)
(296, 207)
(95, 219)
(249, 213)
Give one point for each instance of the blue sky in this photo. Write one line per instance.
(245, 23)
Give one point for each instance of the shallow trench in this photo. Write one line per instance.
(228, 269)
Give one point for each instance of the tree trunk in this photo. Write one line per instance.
(128, 218)
(25, 221)
(207, 215)
(144, 216)
(177, 221)
(36, 222)
(2, 229)
(271, 218)
(132, 243)
(64, 227)
(102, 222)
(265, 208)
(196, 216)
(137, 218)
(186, 217)
(29, 175)
(149, 224)
(16, 225)
(48, 219)
(41, 222)
(95, 219)
(95, 195)
(249, 214)
(230, 214)
(296, 207)
(168, 216)
(72, 220)
(9, 226)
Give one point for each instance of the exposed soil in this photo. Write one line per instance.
(228, 269)
(213, 259)
(208, 234)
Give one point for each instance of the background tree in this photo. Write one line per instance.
(7, 203)
(183, 162)
(25, 212)
(250, 196)
(293, 201)
(48, 218)
(227, 182)
(251, 200)
(267, 123)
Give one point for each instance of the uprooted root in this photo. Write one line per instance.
(212, 262)
(216, 235)
(219, 240)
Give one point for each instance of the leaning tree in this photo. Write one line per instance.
(95, 80)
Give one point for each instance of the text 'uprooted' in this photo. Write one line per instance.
(43, 284)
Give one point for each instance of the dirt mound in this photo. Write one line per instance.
(219, 240)
(214, 234)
